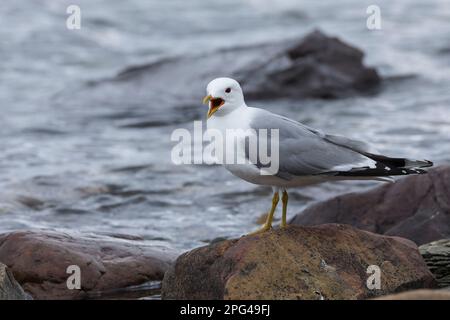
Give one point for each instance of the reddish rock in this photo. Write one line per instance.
(39, 261)
(323, 262)
(415, 207)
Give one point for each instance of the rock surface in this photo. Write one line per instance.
(39, 262)
(319, 66)
(423, 294)
(9, 288)
(323, 262)
(437, 257)
(415, 207)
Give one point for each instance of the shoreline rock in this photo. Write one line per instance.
(9, 288)
(437, 257)
(415, 207)
(39, 262)
(322, 262)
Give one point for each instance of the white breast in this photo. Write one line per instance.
(232, 125)
(239, 119)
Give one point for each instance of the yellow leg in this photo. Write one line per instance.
(284, 200)
(268, 225)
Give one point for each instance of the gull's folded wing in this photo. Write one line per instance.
(305, 151)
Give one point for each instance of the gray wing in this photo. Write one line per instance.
(305, 151)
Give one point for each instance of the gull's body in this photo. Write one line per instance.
(241, 118)
(306, 155)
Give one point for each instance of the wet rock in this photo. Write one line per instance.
(9, 288)
(319, 66)
(39, 261)
(323, 262)
(415, 207)
(437, 257)
(315, 66)
(423, 294)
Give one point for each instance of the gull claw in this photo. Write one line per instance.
(265, 228)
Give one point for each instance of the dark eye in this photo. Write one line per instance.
(228, 90)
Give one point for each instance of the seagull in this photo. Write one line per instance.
(306, 155)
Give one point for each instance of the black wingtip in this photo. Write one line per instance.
(428, 163)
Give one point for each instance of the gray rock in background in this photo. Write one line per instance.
(318, 66)
(9, 288)
(314, 66)
(437, 257)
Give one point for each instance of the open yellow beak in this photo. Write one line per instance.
(207, 99)
(214, 104)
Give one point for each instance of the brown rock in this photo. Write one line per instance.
(323, 262)
(423, 294)
(9, 288)
(39, 261)
(415, 207)
(437, 256)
